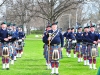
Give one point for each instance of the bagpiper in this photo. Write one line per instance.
(15, 32)
(21, 35)
(4, 40)
(45, 46)
(20, 42)
(84, 45)
(11, 42)
(92, 47)
(73, 41)
(68, 37)
(56, 41)
(79, 35)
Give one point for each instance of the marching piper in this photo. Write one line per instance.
(11, 42)
(84, 45)
(73, 45)
(79, 35)
(15, 32)
(20, 43)
(56, 41)
(4, 40)
(92, 47)
(46, 48)
(68, 37)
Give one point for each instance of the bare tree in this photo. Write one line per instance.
(23, 11)
(20, 12)
(52, 9)
(3, 2)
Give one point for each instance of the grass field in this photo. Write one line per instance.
(33, 63)
(34, 36)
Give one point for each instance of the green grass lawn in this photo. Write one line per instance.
(33, 63)
(34, 36)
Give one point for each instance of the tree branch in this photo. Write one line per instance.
(3, 3)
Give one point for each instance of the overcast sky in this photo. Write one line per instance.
(0, 1)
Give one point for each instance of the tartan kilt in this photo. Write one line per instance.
(10, 51)
(90, 50)
(69, 46)
(73, 45)
(45, 52)
(51, 52)
(77, 47)
(84, 49)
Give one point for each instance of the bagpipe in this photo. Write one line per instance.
(19, 44)
(19, 47)
(73, 44)
(70, 44)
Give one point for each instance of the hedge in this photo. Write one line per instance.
(36, 32)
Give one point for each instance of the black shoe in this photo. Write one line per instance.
(7, 68)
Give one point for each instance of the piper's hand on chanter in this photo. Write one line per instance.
(95, 42)
(49, 38)
(6, 39)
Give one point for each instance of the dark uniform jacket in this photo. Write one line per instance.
(58, 37)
